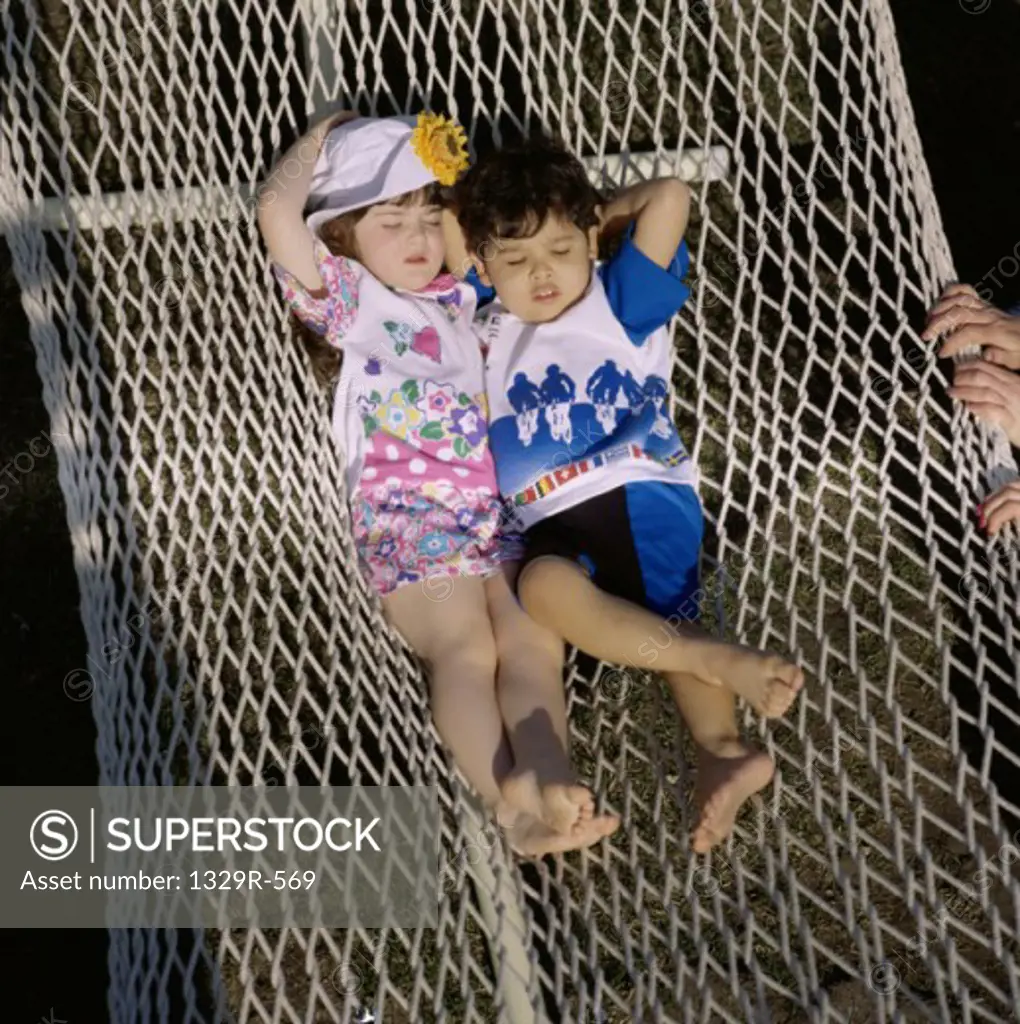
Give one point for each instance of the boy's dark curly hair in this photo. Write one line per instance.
(510, 192)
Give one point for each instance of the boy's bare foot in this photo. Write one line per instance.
(727, 775)
(559, 805)
(768, 683)
(530, 837)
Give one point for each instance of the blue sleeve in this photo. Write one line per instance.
(642, 294)
(484, 292)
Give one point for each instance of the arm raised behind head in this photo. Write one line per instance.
(660, 210)
(282, 199)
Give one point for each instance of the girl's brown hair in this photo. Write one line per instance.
(338, 236)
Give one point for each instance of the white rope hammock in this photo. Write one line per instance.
(232, 640)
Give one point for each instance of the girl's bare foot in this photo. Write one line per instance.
(559, 805)
(530, 837)
(768, 683)
(728, 774)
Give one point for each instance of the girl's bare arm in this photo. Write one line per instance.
(282, 199)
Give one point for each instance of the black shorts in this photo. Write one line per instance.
(641, 542)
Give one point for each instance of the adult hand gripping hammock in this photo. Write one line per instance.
(875, 879)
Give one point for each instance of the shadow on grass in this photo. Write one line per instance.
(49, 739)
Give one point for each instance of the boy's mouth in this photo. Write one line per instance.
(416, 261)
(545, 294)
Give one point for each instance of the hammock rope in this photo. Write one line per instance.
(232, 640)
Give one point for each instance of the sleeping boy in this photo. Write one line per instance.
(578, 358)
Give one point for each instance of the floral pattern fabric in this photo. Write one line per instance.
(411, 413)
(332, 316)
(423, 534)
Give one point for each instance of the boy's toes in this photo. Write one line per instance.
(703, 838)
(789, 674)
(778, 697)
(605, 825)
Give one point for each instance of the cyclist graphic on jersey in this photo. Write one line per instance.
(656, 390)
(632, 391)
(558, 392)
(603, 388)
(525, 399)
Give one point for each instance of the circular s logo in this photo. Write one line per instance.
(53, 835)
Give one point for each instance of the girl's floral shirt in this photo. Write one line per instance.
(409, 406)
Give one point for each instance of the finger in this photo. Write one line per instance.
(1007, 512)
(982, 382)
(944, 319)
(972, 396)
(1010, 492)
(954, 321)
(1002, 357)
(957, 293)
(993, 380)
(951, 302)
(974, 375)
(961, 305)
(959, 289)
(959, 312)
(989, 412)
(973, 333)
(985, 371)
(974, 391)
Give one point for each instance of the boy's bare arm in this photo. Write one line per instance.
(660, 209)
(282, 198)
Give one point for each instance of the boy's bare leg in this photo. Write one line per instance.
(542, 784)
(558, 594)
(729, 771)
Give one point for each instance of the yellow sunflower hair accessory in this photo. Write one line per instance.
(441, 145)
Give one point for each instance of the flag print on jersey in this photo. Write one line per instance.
(580, 404)
(551, 429)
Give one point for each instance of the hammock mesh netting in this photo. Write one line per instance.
(231, 639)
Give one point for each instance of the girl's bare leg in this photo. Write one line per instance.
(454, 638)
(543, 783)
